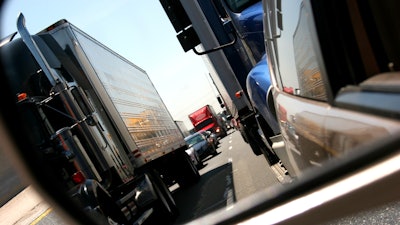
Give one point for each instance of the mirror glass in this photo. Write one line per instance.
(305, 133)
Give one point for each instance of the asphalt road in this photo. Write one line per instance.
(235, 173)
(232, 175)
(11, 183)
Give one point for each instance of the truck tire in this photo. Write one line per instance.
(255, 146)
(268, 152)
(165, 207)
(266, 129)
(244, 131)
(256, 142)
(189, 174)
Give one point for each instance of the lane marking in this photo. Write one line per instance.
(229, 195)
(230, 148)
(37, 220)
(229, 199)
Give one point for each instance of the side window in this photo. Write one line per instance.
(297, 68)
(305, 57)
(367, 36)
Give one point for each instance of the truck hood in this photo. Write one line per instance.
(249, 24)
(251, 19)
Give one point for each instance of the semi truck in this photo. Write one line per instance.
(99, 128)
(229, 37)
(206, 119)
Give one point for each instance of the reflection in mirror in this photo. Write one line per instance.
(95, 118)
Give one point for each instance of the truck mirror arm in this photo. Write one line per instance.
(216, 48)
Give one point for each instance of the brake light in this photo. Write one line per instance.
(78, 177)
(22, 96)
(137, 153)
(288, 90)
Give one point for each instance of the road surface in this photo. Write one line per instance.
(232, 175)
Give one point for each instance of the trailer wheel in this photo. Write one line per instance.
(166, 208)
(189, 173)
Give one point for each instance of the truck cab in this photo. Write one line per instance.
(205, 119)
(336, 79)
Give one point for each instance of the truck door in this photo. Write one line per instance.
(300, 93)
(363, 73)
(335, 78)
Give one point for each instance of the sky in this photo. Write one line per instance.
(140, 31)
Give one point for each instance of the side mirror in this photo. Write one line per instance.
(188, 37)
(378, 95)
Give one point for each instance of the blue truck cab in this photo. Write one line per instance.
(247, 18)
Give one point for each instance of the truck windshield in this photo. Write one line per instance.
(238, 6)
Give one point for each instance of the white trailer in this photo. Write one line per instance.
(97, 122)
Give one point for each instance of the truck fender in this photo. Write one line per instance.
(271, 102)
(259, 89)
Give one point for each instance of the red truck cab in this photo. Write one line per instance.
(206, 119)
